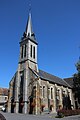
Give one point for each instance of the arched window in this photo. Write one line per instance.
(58, 94)
(25, 51)
(34, 52)
(51, 93)
(43, 91)
(21, 85)
(57, 98)
(34, 91)
(22, 52)
(31, 51)
(63, 94)
(40, 91)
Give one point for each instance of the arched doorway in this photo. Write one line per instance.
(12, 106)
(51, 108)
(31, 106)
(21, 105)
(32, 101)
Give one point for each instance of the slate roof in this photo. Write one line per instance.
(69, 81)
(54, 79)
(29, 34)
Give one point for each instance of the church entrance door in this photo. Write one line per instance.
(21, 105)
(12, 106)
(31, 106)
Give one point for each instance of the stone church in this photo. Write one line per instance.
(34, 91)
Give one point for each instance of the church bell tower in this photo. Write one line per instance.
(27, 62)
(28, 46)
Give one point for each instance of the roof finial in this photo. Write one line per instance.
(29, 6)
(29, 22)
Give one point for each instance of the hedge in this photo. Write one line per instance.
(68, 112)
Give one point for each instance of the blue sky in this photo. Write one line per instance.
(56, 24)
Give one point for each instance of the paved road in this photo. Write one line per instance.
(13, 116)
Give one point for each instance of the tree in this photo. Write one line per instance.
(76, 85)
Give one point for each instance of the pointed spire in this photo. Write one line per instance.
(28, 31)
(29, 26)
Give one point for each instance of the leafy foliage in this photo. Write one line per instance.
(76, 83)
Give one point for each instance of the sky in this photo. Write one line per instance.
(56, 24)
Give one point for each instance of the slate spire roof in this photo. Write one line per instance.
(29, 34)
(29, 26)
